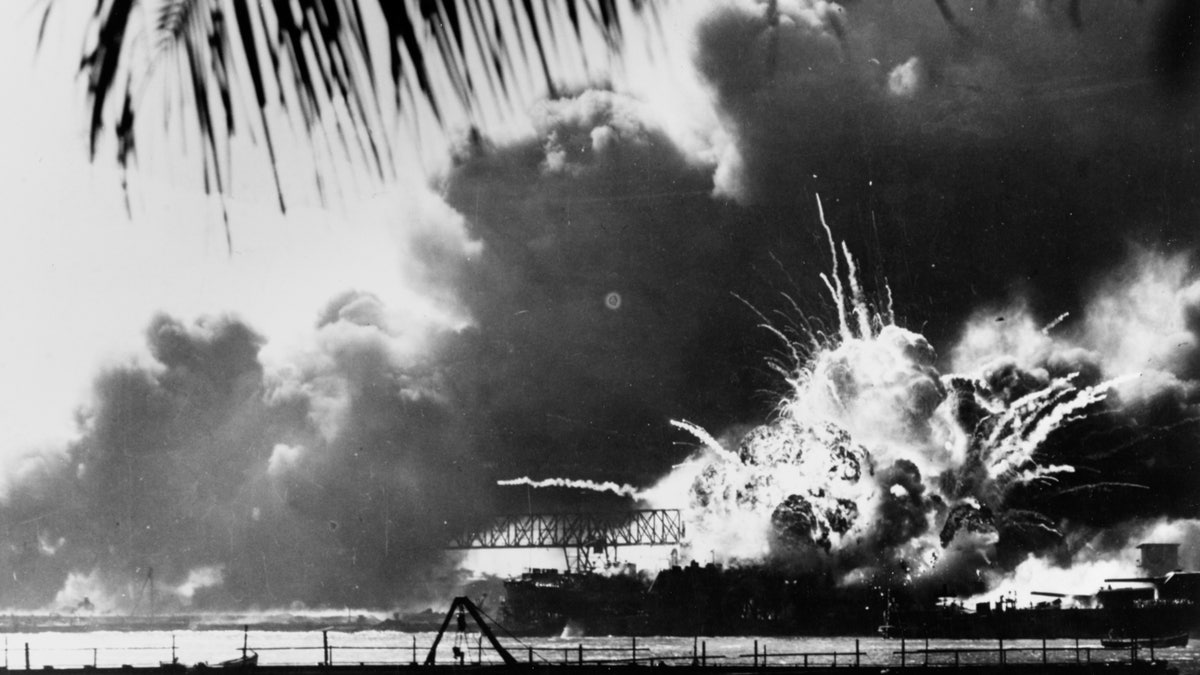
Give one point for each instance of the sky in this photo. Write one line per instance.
(85, 278)
(296, 416)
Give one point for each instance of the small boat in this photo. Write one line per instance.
(1113, 642)
(249, 657)
(244, 661)
(174, 663)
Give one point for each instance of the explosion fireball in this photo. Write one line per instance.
(875, 467)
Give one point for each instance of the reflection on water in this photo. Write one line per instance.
(295, 647)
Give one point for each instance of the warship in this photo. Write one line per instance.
(757, 600)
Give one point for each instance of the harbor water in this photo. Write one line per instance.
(114, 649)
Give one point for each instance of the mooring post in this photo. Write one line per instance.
(530, 654)
(806, 660)
(902, 655)
(756, 653)
(704, 653)
(414, 648)
(633, 650)
(1043, 651)
(1076, 650)
(764, 655)
(96, 658)
(325, 648)
(581, 654)
(926, 650)
(26, 656)
(956, 658)
(856, 653)
(1001, 651)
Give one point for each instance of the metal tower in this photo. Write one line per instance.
(584, 532)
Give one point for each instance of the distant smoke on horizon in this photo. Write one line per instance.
(994, 173)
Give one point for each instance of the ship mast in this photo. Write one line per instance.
(147, 588)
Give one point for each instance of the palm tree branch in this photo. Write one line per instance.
(312, 60)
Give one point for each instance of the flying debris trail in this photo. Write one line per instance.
(607, 486)
(703, 436)
(1032, 421)
(835, 287)
(1054, 324)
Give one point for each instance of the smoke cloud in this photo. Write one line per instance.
(595, 280)
(228, 486)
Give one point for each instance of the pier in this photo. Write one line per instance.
(483, 652)
(1140, 667)
(633, 659)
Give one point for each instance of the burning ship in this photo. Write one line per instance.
(1163, 603)
(879, 484)
(682, 600)
(756, 600)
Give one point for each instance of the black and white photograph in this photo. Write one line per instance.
(376, 336)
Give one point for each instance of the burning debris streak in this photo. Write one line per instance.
(606, 486)
(1054, 324)
(702, 435)
(1026, 424)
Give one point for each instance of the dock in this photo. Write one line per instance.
(1140, 667)
(468, 655)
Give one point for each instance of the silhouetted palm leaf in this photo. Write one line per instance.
(314, 57)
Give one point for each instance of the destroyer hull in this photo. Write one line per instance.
(1049, 624)
(711, 601)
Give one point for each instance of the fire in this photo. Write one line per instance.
(879, 468)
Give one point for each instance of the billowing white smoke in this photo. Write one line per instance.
(95, 592)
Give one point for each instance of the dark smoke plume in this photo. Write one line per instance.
(993, 169)
(330, 486)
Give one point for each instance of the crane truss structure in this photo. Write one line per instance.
(643, 527)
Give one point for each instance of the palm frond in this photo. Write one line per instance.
(313, 59)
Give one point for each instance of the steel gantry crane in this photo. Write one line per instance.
(584, 532)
